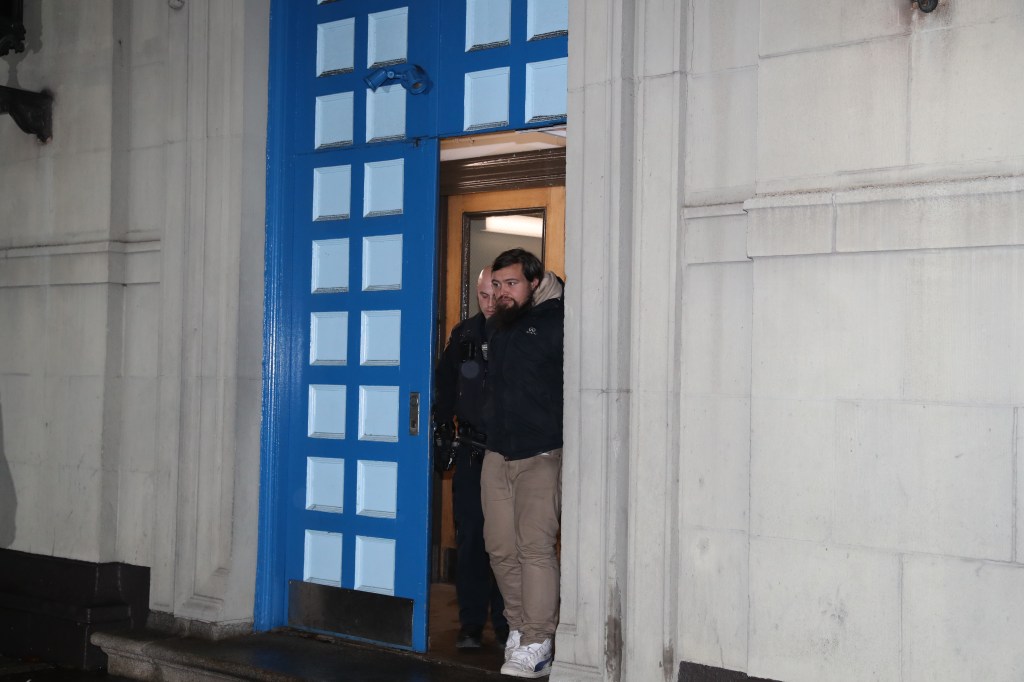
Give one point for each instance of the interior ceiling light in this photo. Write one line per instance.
(518, 225)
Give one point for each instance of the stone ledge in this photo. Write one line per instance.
(151, 655)
(280, 656)
(99, 262)
(173, 625)
(979, 212)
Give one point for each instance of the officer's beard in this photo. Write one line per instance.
(506, 313)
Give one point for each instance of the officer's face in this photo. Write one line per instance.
(485, 296)
(511, 288)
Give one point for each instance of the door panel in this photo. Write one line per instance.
(352, 203)
(505, 64)
(357, 174)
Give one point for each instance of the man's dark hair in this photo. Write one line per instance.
(532, 267)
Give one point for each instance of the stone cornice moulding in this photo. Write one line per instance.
(713, 211)
(94, 262)
(905, 192)
(897, 176)
(969, 213)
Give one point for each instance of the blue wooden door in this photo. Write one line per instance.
(360, 93)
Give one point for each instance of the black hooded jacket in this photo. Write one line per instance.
(523, 404)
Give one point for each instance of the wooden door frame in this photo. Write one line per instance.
(481, 178)
(551, 200)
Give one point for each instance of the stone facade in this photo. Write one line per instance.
(801, 460)
(131, 266)
(793, 449)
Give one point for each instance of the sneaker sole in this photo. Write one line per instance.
(531, 675)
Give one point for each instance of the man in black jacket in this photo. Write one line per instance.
(458, 391)
(521, 480)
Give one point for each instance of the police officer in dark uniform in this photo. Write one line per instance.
(458, 388)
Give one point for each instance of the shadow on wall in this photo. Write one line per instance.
(8, 500)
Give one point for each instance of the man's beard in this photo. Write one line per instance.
(506, 316)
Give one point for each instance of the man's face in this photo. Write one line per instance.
(485, 293)
(511, 288)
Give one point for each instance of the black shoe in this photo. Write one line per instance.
(469, 638)
(501, 634)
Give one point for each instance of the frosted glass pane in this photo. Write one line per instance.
(332, 192)
(385, 113)
(381, 338)
(378, 413)
(546, 90)
(328, 338)
(334, 120)
(382, 262)
(322, 561)
(325, 484)
(546, 18)
(383, 187)
(326, 411)
(330, 266)
(486, 99)
(335, 47)
(375, 565)
(488, 23)
(388, 39)
(377, 489)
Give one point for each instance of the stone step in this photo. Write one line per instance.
(284, 656)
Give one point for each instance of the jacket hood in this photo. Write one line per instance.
(550, 287)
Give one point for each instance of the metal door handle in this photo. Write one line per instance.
(414, 413)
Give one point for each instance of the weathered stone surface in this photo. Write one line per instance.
(830, 111)
(792, 469)
(721, 136)
(970, 70)
(822, 613)
(962, 620)
(713, 600)
(925, 478)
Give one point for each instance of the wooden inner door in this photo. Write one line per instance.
(466, 213)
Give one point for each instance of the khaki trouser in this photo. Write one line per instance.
(522, 501)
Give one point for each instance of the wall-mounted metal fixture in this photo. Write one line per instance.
(410, 76)
(12, 27)
(926, 5)
(32, 111)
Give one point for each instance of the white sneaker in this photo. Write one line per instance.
(531, 660)
(512, 642)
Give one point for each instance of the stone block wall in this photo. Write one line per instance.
(74, 282)
(851, 341)
(131, 265)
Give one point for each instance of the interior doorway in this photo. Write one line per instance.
(498, 192)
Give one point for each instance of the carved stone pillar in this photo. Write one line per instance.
(626, 100)
(210, 336)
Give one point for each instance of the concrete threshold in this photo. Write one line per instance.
(281, 656)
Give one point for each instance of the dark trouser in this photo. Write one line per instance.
(474, 583)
